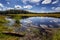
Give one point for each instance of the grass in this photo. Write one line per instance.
(7, 37)
(2, 19)
(41, 15)
(56, 34)
(4, 28)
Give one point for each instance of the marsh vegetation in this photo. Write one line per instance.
(31, 33)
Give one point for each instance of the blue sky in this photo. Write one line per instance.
(31, 5)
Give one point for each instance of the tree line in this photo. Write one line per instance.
(20, 12)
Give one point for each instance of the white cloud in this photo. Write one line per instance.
(30, 10)
(8, 3)
(27, 6)
(53, 8)
(3, 8)
(9, 8)
(18, 7)
(37, 4)
(6, 8)
(57, 9)
(43, 8)
(31, 1)
(0, 9)
(38, 1)
(35, 1)
(55, 2)
(1, 5)
(24, 1)
(46, 1)
(42, 11)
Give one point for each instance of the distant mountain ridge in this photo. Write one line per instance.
(20, 12)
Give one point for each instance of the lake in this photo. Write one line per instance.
(41, 22)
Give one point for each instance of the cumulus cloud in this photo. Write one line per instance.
(56, 9)
(53, 8)
(55, 2)
(0, 9)
(24, 1)
(8, 3)
(9, 8)
(27, 6)
(46, 1)
(37, 4)
(35, 1)
(43, 8)
(31, 1)
(21, 7)
(18, 7)
(42, 11)
(38, 1)
(1, 5)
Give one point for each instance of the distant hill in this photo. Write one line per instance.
(19, 12)
(14, 12)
